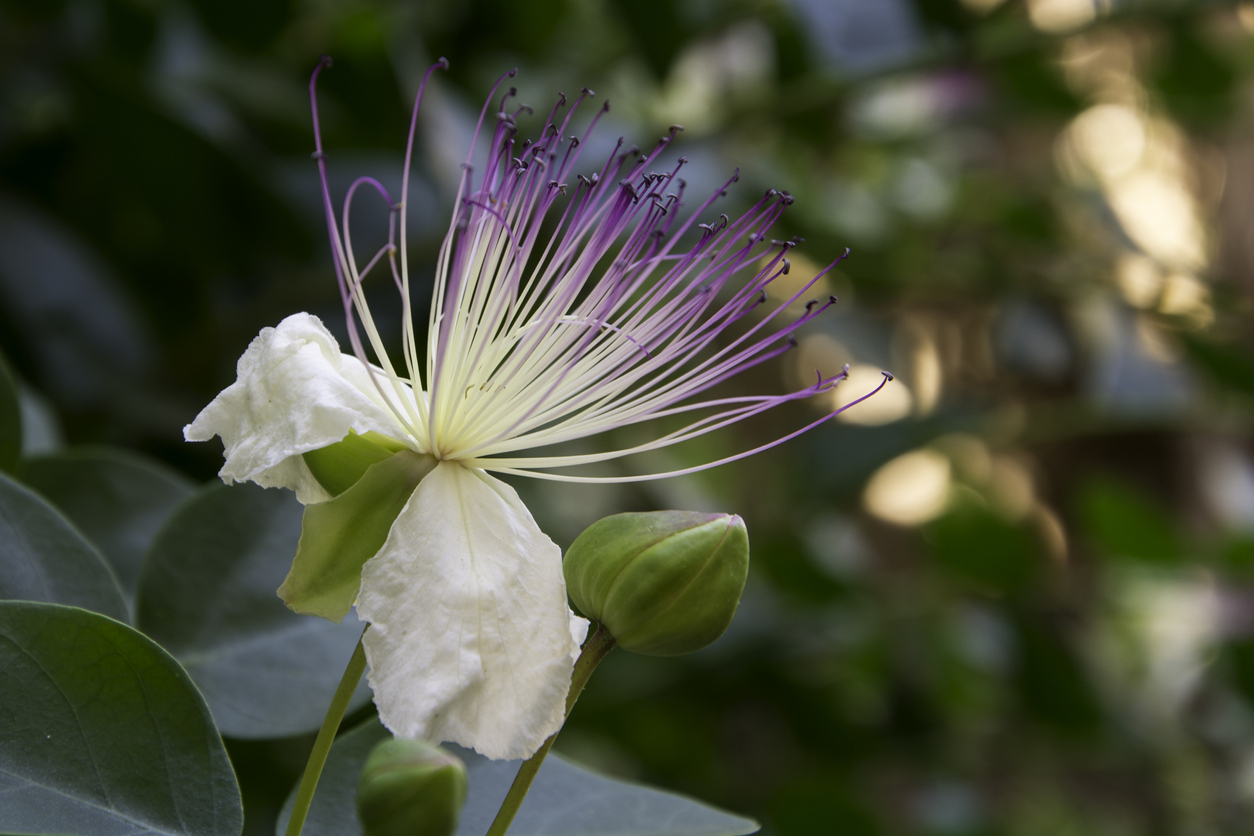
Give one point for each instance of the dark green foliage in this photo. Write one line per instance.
(1195, 82)
(950, 15)
(207, 594)
(104, 733)
(786, 562)
(656, 30)
(1237, 556)
(818, 807)
(118, 500)
(1030, 220)
(1033, 85)
(1125, 523)
(132, 29)
(1230, 365)
(249, 25)
(43, 557)
(10, 419)
(1240, 653)
(1052, 684)
(984, 550)
(34, 10)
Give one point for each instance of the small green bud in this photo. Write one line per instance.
(663, 583)
(411, 788)
(338, 466)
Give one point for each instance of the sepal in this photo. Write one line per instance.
(337, 467)
(337, 537)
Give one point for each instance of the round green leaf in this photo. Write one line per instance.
(207, 594)
(42, 557)
(118, 499)
(103, 734)
(565, 800)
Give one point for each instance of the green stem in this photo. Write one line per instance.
(594, 650)
(326, 736)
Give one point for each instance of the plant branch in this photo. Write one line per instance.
(326, 736)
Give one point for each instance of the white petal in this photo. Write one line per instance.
(471, 639)
(295, 392)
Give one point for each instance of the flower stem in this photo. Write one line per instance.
(594, 650)
(326, 736)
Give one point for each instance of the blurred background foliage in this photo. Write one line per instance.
(1012, 594)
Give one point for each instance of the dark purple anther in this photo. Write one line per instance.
(557, 316)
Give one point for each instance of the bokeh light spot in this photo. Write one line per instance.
(910, 490)
(892, 403)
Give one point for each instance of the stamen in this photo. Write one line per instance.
(505, 370)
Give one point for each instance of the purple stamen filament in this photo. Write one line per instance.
(603, 324)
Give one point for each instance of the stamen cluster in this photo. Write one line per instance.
(565, 304)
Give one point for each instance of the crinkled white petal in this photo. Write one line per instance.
(471, 639)
(294, 392)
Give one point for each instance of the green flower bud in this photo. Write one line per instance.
(663, 583)
(337, 467)
(411, 788)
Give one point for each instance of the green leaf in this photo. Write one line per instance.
(1052, 682)
(101, 732)
(41, 428)
(980, 547)
(1227, 364)
(118, 499)
(42, 557)
(1237, 556)
(820, 804)
(207, 595)
(1127, 523)
(1195, 82)
(565, 800)
(10, 419)
(337, 537)
(1240, 657)
(1034, 84)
